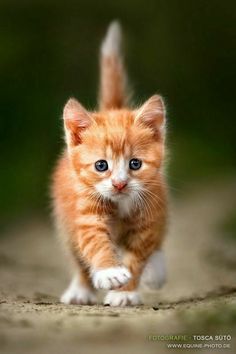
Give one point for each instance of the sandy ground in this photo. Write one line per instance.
(199, 297)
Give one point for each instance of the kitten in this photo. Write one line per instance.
(108, 189)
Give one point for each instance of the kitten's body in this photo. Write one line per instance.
(114, 220)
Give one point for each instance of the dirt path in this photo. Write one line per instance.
(200, 295)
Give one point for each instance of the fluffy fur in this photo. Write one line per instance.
(114, 220)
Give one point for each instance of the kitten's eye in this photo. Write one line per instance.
(101, 165)
(135, 164)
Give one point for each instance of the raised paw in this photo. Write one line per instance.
(78, 295)
(122, 298)
(110, 278)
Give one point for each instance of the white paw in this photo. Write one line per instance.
(78, 295)
(110, 278)
(122, 298)
(154, 273)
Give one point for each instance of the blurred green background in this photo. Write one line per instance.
(184, 50)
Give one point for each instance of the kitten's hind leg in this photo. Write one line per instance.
(79, 292)
(154, 273)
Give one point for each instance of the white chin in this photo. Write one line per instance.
(118, 196)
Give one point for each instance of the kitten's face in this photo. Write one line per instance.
(117, 156)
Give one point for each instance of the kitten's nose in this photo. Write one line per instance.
(119, 185)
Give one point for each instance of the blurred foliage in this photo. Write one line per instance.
(229, 227)
(49, 51)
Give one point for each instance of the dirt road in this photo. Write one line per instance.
(199, 297)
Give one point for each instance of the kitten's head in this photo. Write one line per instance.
(116, 154)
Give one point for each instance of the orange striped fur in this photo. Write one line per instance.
(107, 227)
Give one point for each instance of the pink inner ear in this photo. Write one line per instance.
(76, 118)
(75, 112)
(152, 113)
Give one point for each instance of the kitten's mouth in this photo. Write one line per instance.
(120, 192)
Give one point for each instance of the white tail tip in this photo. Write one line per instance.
(112, 42)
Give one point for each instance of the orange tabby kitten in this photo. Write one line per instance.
(108, 189)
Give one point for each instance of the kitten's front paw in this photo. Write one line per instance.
(78, 296)
(110, 278)
(122, 298)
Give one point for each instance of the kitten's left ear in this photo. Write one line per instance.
(153, 114)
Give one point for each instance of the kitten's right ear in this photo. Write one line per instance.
(76, 118)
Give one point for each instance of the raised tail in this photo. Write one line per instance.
(112, 73)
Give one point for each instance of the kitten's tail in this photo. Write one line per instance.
(112, 73)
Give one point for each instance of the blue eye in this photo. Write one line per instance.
(135, 164)
(101, 165)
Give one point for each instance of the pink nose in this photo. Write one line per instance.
(119, 185)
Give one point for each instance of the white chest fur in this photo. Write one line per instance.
(125, 206)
